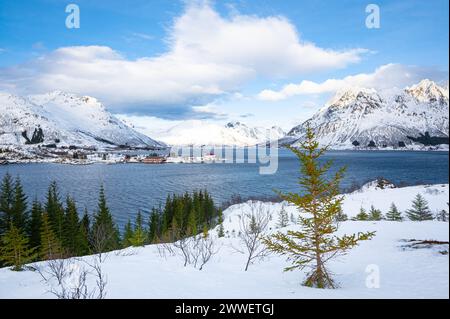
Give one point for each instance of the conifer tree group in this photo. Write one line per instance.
(53, 229)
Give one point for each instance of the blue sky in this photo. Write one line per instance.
(228, 75)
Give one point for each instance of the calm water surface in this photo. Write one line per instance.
(133, 187)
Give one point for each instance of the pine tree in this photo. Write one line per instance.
(19, 206)
(138, 238)
(6, 203)
(221, 230)
(35, 224)
(55, 211)
(15, 250)
(341, 216)
(85, 232)
(442, 216)
(283, 218)
(104, 230)
(192, 223)
(50, 246)
(205, 232)
(318, 203)
(375, 214)
(154, 226)
(420, 210)
(394, 214)
(362, 215)
(127, 235)
(73, 238)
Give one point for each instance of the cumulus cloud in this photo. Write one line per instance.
(385, 77)
(208, 56)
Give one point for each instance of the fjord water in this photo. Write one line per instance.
(133, 187)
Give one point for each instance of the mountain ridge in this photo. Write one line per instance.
(65, 119)
(369, 118)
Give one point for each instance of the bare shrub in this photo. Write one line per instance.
(67, 278)
(253, 228)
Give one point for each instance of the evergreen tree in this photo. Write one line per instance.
(375, 214)
(127, 235)
(221, 230)
(139, 232)
(420, 210)
(35, 224)
(154, 226)
(6, 203)
(55, 211)
(50, 246)
(283, 218)
(85, 232)
(394, 214)
(362, 215)
(205, 232)
(442, 216)
(341, 216)
(19, 207)
(73, 239)
(104, 230)
(318, 201)
(192, 228)
(14, 250)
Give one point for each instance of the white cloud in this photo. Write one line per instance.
(208, 56)
(384, 77)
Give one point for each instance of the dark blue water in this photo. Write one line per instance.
(133, 187)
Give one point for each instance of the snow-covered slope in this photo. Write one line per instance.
(197, 132)
(387, 118)
(404, 272)
(64, 118)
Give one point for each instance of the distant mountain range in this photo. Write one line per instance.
(197, 133)
(353, 118)
(357, 117)
(64, 119)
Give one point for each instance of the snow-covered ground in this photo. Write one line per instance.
(403, 272)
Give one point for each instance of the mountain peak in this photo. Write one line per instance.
(428, 91)
(349, 94)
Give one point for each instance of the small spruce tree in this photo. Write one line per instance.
(221, 229)
(394, 214)
(283, 218)
(420, 210)
(341, 216)
(375, 214)
(15, 250)
(50, 246)
(127, 235)
(362, 215)
(34, 226)
(318, 203)
(19, 207)
(104, 230)
(6, 203)
(139, 233)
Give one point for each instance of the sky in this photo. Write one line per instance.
(262, 62)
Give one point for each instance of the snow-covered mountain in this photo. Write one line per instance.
(64, 119)
(197, 132)
(415, 115)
